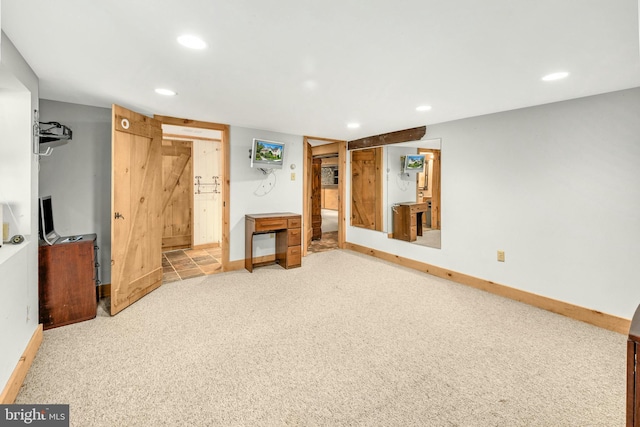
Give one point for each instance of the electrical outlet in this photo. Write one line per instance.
(501, 256)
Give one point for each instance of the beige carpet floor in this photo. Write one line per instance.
(346, 340)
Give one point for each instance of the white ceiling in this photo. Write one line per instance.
(310, 67)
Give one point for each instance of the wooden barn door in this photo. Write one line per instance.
(177, 194)
(366, 209)
(316, 199)
(136, 203)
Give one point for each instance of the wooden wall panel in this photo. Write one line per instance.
(177, 204)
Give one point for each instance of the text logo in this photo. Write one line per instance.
(34, 415)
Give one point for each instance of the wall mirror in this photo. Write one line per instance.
(412, 194)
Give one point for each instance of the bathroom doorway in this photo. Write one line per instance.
(195, 228)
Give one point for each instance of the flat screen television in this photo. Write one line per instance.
(413, 163)
(46, 227)
(267, 154)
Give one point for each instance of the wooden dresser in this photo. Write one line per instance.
(67, 279)
(287, 228)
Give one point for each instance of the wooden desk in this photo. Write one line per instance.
(286, 227)
(407, 220)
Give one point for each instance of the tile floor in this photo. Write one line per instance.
(186, 263)
(327, 242)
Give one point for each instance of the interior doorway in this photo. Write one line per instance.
(196, 226)
(324, 186)
(324, 195)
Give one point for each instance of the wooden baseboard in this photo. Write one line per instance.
(104, 290)
(12, 388)
(235, 265)
(593, 317)
(206, 246)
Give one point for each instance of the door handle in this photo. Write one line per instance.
(118, 215)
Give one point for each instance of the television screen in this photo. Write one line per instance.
(267, 154)
(413, 163)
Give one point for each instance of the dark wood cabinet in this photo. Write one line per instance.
(67, 282)
(633, 382)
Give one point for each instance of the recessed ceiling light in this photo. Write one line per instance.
(555, 76)
(423, 108)
(191, 41)
(166, 92)
(353, 125)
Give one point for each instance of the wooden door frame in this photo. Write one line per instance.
(224, 129)
(435, 186)
(333, 146)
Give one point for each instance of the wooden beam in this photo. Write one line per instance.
(406, 135)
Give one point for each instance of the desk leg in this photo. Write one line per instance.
(248, 248)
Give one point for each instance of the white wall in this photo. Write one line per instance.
(252, 192)
(15, 122)
(207, 204)
(77, 175)
(556, 187)
(19, 272)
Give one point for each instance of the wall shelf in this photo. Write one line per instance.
(9, 250)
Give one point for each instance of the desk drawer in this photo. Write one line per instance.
(266, 224)
(294, 256)
(295, 222)
(294, 237)
(418, 207)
